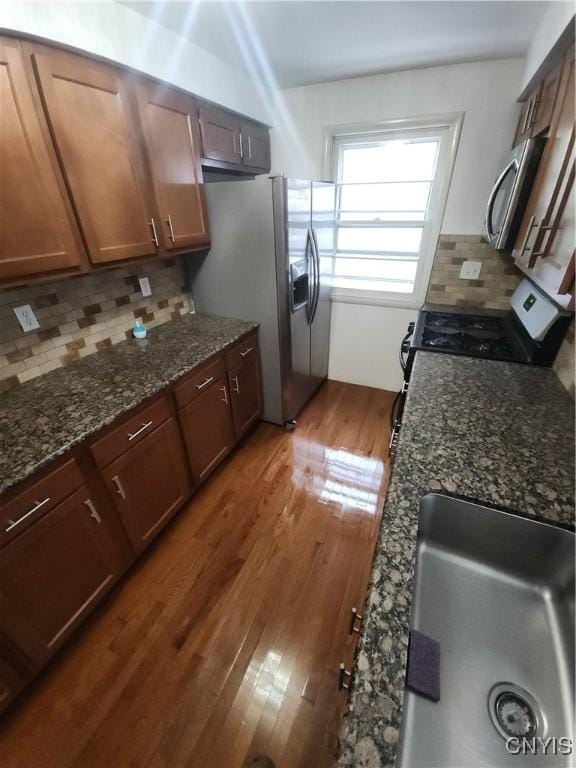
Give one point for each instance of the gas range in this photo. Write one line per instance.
(474, 335)
(530, 332)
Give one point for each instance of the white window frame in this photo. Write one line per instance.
(448, 128)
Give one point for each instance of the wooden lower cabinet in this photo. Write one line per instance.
(53, 574)
(149, 483)
(246, 393)
(65, 534)
(208, 429)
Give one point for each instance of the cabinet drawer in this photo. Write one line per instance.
(40, 497)
(241, 351)
(130, 432)
(198, 381)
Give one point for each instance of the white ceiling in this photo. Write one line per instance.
(291, 43)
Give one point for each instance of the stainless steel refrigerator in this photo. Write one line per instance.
(271, 260)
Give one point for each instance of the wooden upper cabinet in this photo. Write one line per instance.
(170, 129)
(545, 100)
(221, 134)
(255, 146)
(536, 112)
(38, 233)
(545, 245)
(88, 107)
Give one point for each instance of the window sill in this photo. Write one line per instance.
(409, 302)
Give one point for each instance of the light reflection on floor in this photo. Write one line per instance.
(338, 476)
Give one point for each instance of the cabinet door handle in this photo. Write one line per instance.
(249, 148)
(241, 147)
(38, 505)
(154, 233)
(344, 677)
(205, 382)
(225, 393)
(533, 119)
(143, 428)
(529, 228)
(93, 512)
(119, 489)
(246, 352)
(236, 385)
(353, 627)
(170, 228)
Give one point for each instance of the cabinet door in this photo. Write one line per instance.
(169, 123)
(88, 107)
(255, 146)
(246, 393)
(38, 233)
(54, 573)
(208, 429)
(544, 104)
(220, 132)
(149, 483)
(546, 239)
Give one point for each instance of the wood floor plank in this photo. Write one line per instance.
(223, 641)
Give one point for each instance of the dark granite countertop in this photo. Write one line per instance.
(48, 415)
(499, 433)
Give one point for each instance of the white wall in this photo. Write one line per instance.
(125, 36)
(553, 23)
(365, 339)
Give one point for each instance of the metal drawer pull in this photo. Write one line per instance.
(241, 147)
(118, 484)
(344, 677)
(171, 228)
(205, 383)
(236, 385)
(145, 426)
(154, 233)
(353, 627)
(225, 392)
(38, 505)
(246, 352)
(249, 147)
(93, 513)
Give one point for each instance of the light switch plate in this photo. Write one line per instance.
(26, 318)
(470, 270)
(145, 286)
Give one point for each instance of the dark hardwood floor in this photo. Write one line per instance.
(224, 641)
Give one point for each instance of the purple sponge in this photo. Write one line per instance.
(423, 673)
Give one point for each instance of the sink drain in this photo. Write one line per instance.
(514, 712)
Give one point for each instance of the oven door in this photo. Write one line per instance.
(510, 194)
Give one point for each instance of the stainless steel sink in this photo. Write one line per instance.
(497, 592)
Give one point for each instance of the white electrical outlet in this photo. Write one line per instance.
(145, 286)
(470, 270)
(26, 318)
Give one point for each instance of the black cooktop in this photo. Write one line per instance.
(463, 334)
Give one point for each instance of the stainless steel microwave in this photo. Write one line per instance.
(510, 193)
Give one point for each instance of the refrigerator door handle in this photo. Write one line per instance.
(311, 261)
(316, 258)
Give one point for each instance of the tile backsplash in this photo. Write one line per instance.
(81, 315)
(496, 283)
